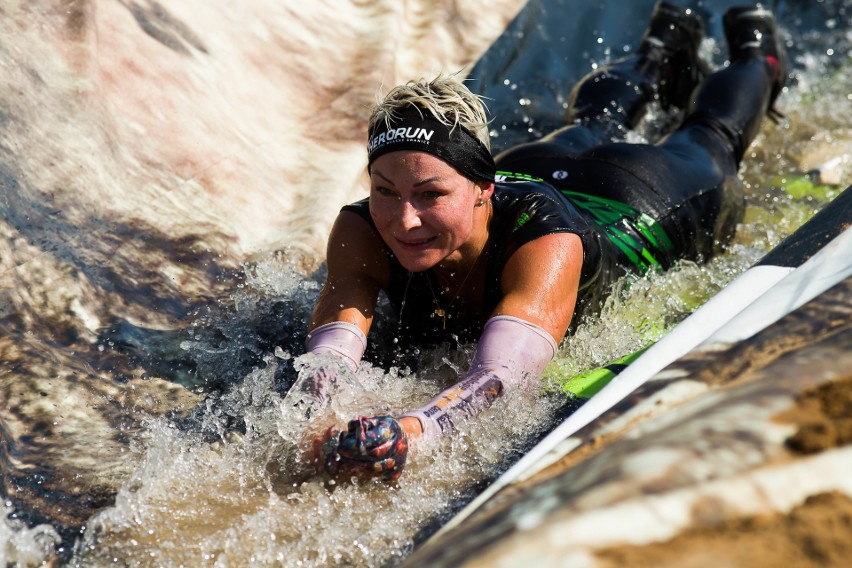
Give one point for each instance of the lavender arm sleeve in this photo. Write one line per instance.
(511, 351)
(346, 340)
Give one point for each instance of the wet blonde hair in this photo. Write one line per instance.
(446, 98)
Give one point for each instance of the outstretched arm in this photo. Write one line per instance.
(540, 284)
(357, 268)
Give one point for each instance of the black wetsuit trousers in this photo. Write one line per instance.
(687, 180)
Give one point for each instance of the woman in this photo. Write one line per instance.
(465, 249)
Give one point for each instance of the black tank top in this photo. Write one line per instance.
(522, 212)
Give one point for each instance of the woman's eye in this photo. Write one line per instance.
(432, 194)
(384, 191)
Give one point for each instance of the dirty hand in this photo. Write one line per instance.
(370, 447)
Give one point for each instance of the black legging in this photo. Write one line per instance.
(687, 181)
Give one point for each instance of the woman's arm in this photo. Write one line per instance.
(357, 269)
(539, 283)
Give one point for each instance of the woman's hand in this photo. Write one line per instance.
(370, 447)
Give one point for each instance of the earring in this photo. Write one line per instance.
(479, 203)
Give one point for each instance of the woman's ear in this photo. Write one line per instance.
(486, 190)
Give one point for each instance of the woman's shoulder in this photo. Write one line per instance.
(527, 208)
(523, 200)
(360, 208)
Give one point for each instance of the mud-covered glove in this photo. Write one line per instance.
(370, 447)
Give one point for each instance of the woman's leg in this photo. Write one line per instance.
(734, 101)
(689, 182)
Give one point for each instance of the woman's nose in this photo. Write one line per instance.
(409, 216)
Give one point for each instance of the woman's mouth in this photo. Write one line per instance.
(415, 244)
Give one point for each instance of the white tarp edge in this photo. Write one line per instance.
(727, 317)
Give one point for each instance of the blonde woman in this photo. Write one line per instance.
(508, 253)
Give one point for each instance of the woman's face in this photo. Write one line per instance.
(425, 210)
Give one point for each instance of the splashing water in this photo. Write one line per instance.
(22, 546)
(253, 498)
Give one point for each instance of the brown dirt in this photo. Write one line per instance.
(824, 416)
(817, 533)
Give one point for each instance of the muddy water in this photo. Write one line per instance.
(150, 337)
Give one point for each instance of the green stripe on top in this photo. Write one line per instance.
(619, 222)
(509, 176)
(614, 217)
